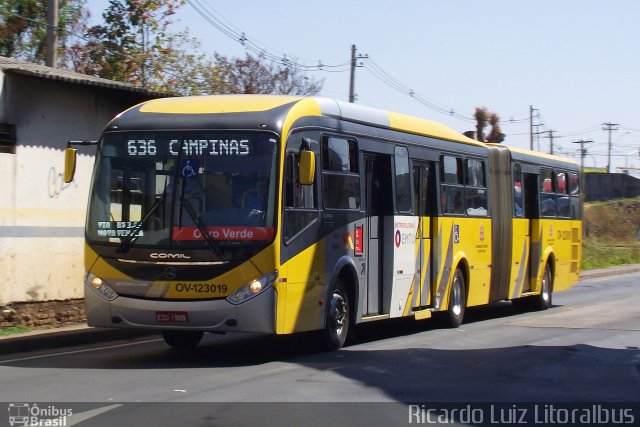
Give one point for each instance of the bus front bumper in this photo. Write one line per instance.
(254, 315)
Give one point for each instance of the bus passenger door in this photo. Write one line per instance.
(378, 204)
(531, 214)
(521, 246)
(422, 282)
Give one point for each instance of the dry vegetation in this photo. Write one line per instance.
(612, 233)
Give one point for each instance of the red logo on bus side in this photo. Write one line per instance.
(359, 247)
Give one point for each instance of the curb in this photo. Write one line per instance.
(611, 271)
(84, 335)
(65, 337)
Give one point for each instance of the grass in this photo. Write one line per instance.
(612, 233)
(601, 255)
(10, 330)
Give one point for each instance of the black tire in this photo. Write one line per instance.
(544, 300)
(538, 302)
(337, 320)
(182, 339)
(457, 300)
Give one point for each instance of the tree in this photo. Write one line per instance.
(481, 115)
(23, 28)
(131, 44)
(484, 117)
(134, 45)
(495, 136)
(252, 75)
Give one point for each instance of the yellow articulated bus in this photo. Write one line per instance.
(280, 214)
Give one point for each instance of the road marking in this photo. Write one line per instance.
(86, 415)
(84, 350)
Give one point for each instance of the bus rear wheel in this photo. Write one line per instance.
(537, 302)
(457, 300)
(337, 320)
(182, 339)
(543, 301)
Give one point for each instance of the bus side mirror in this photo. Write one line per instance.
(69, 164)
(307, 168)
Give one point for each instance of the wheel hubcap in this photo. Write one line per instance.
(545, 286)
(456, 298)
(339, 313)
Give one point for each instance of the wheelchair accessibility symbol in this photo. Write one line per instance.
(189, 168)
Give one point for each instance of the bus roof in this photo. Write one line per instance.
(523, 154)
(224, 104)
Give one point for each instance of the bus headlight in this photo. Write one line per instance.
(256, 287)
(101, 287)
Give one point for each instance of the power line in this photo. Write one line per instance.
(44, 24)
(223, 25)
(261, 50)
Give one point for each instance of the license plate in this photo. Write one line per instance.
(172, 317)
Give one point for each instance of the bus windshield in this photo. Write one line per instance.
(189, 189)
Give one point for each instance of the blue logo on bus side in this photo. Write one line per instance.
(189, 168)
(456, 234)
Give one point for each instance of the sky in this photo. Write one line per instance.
(576, 62)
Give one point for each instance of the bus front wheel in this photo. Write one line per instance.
(182, 339)
(337, 320)
(457, 300)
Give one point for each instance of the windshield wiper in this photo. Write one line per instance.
(215, 247)
(133, 233)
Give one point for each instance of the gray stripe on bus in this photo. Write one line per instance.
(448, 261)
(40, 231)
(520, 279)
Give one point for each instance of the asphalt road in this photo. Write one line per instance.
(584, 349)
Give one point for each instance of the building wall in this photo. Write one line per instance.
(607, 186)
(41, 218)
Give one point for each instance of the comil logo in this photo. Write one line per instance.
(26, 414)
(164, 255)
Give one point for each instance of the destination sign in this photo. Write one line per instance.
(189, 147)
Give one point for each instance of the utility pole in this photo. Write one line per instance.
(531, 110)
(583, 152)
(52, 33)
(352, 80)
(609, 127)
(550, 132)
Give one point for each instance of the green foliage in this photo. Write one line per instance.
(131, 44)
(607, 254)
(134, 45)
(10, 330)
(23, 27)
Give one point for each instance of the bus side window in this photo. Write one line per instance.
(574, 192)
(299, 200)
(547, 193)
(296, 194)
(518, 202)
(403, 183)
(340, 174)
(451, 185)
(562, 199)
(476, 189)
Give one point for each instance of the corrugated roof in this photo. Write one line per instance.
(30, 69)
